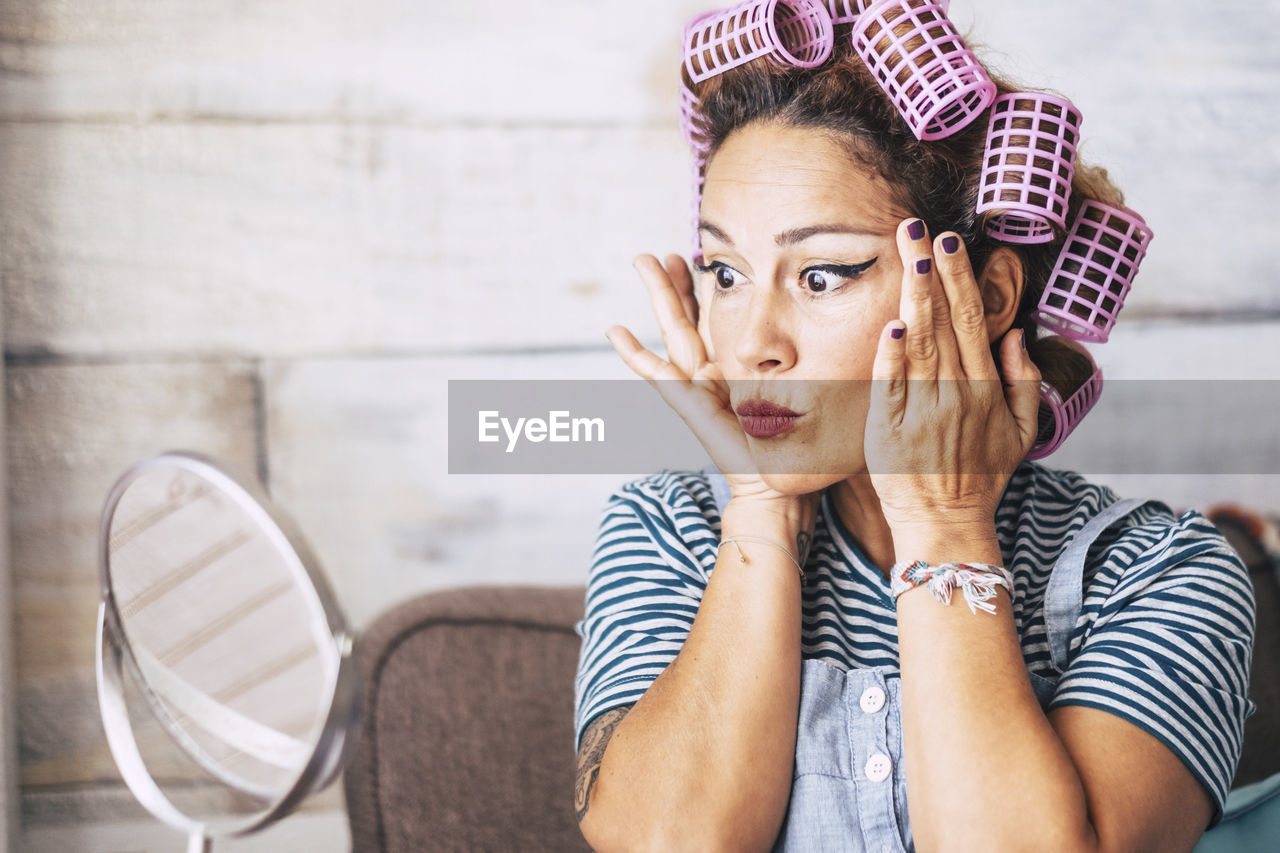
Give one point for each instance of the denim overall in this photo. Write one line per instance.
(849, 791)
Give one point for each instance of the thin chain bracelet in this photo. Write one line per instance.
(977, 581)
(742, 558)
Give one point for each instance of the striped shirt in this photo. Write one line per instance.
(1164, 638)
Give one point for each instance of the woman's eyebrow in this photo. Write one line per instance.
(704, 225)
(794, 235)
(799, 235)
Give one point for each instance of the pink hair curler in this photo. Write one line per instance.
(699, 179)
(847, 11)
(692, 125)
(917, 56)
(798, 32)
(1095, 269)
(1058, 418)
(1029, 164)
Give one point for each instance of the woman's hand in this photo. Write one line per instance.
(690, 382)
(944, 432)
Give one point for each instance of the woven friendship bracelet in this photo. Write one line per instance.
(742, 558)
(977, 581)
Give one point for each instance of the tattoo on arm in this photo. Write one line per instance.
(803, 541)
(591, 753)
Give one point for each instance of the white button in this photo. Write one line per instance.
(878, 767)
(872, 700)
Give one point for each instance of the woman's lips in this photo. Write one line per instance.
(758, 426)
(762, 419)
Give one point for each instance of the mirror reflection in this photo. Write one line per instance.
(226, 637)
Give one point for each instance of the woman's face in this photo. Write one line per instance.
(800, 274)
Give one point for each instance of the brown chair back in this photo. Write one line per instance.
(467, 736)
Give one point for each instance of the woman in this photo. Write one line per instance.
(727, 701)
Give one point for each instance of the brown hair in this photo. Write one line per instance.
(937, 180)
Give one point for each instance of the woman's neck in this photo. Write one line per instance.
(858, 506)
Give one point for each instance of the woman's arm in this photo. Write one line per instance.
(986, 770)
(703, 761)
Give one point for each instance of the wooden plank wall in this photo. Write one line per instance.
(272, 231)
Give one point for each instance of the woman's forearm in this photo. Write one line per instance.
(704, 759)
(982, 760)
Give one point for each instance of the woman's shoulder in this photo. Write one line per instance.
(681, 496)
(1044, 509)
(667, 520)
(1053, 505)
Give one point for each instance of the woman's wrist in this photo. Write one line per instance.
(792, 512)
(788, 520)
(956, 541)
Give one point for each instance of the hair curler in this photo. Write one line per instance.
(847, 11)
(1095, 269)
(797, 32)
(917, 56)
(1057, 418)
(693, 126)
(1028, 166)
(699, 178)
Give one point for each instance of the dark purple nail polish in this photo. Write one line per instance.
(1022, 339)
(924, 266)
(916, 230)
(950, 245)
(897, 333)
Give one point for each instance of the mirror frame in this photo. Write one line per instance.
(339, 731)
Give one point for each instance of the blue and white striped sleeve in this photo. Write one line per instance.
(1170, 648)
(643, 591)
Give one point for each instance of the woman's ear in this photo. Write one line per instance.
(1001, 286)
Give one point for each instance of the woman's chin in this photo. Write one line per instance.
(802, 468)
(799, 484)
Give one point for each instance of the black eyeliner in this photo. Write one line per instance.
(845, 271)
(848, 271)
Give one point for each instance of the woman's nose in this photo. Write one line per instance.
(765, 343)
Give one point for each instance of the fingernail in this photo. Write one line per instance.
(916, 230)
(951, 245)
(924, 266)
(1022, 339)
(897, 332)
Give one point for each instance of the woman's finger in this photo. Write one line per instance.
(968, 318)
(922, 250)
(1021, 386)
(675, 387)
(917, 303)
(684, 346)
(701, 403)
(643, 363)
(682, 279)
(889, 376)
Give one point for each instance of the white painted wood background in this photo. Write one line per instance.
(272, 230)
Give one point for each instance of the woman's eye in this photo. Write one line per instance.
(725, 276)
(829, 278)
(819, 280)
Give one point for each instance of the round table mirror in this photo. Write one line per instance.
(225, 669)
